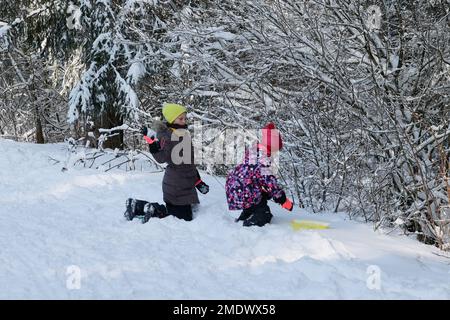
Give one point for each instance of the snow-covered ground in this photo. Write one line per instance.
(56, 225)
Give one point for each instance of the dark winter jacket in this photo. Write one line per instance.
(251, 180)
(179, 178)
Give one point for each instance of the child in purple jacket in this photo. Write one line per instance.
(251, 183)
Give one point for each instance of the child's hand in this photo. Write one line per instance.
(153, 145)
(285, 202)
(288, 205)
(202, 187)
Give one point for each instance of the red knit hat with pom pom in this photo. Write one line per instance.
(271, 138)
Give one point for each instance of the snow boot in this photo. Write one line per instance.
(130, 205)
(154, 210)
(134, 208)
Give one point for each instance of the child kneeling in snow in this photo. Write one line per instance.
(181, 176)
(251, 183)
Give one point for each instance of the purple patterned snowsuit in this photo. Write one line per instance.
(249, 181)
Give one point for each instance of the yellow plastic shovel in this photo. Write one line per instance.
(308, 225)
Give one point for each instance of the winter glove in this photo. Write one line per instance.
(281, 199)
(202, 187)
(285, 202)
(288, 205)
(153, 145)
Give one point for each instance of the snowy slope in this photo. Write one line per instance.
(51, 220)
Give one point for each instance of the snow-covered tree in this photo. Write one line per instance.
(31, 45)
(359, 89)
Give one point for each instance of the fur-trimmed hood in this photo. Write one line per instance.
(158, 125)
(163, 128)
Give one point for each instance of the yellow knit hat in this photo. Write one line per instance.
(171, 111)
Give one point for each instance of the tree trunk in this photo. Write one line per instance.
(110, 119)
(39, 132)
